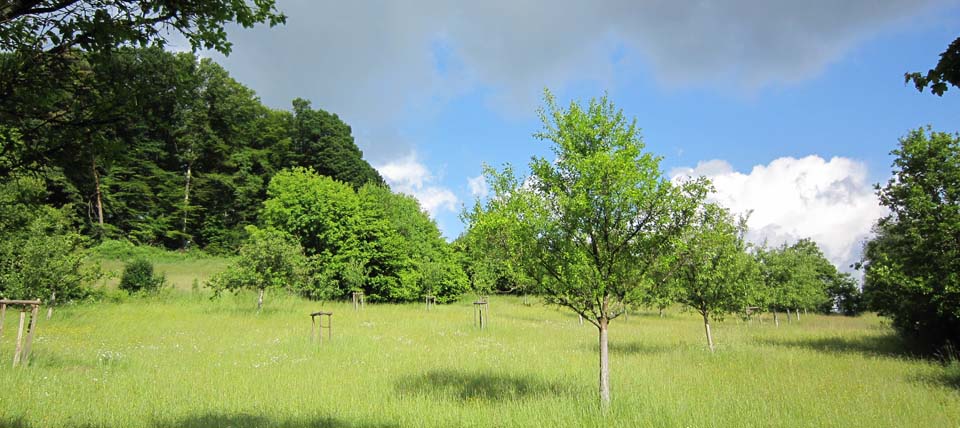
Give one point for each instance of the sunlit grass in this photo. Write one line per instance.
(185, 361)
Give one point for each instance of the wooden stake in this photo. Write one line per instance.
(34, 314)
(3, 316)
(16, 352)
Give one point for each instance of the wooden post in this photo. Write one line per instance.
(320, 328)
(16, 352)
(581, 318)
(430, 301)
(34, 314)
(3, 316)
(480, 313)
(53, 301)
(359, 300)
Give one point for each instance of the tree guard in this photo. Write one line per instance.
(21, 353)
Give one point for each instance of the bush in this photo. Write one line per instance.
(138, 277)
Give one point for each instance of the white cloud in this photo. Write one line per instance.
(828, 201)
(408, 175)
(478, 186)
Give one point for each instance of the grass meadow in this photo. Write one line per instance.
(182, 360)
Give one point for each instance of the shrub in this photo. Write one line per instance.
(138, 277)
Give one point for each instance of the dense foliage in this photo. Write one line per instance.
(367, 239)
(41, 255)
(913, 264)
(166, 149)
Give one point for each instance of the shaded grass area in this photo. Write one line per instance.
(183, 360)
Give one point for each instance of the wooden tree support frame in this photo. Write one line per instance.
(429, 301)
(21, 353)
(319, 332)
(359, 300)
(481, 313)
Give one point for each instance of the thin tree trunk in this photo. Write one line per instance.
(706, 327)
(776, 319)
(797, 311)
(260, 300)
(186, 204)
(788, 315)
(661, 312)
(604, 365)
(96, 183)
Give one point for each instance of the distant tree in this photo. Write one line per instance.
(138, 277)
(912, 266)
(717, 275)
(844, 295)
(600, 213)
(270, 259)
(795, 277)
(946, 72)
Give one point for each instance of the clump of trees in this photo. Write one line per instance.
(911, 266)
(367, 239)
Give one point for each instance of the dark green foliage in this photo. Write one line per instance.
(138, 277)
(946, 72)
(169, 148)
(913, 264)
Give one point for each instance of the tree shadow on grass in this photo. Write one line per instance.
(883, 346)
(635, 348)
(242, 420)
(224, 420)
(459, 386)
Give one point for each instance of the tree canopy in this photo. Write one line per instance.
(912, 266)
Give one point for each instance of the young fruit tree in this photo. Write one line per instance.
(599, 217)
(269, 259)
(717, 276)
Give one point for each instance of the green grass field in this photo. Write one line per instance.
(184, 361)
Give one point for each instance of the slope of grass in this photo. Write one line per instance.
(186, 361)
(180, 268)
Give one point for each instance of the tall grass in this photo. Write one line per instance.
(181, 360)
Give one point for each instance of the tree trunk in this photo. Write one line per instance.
(53, 299)
(706, 327)
(797, 311)
(96, 183)
(604, 365)
(776, 319)
(788, 315)
(186, 205)
(661, 311)
(260, 300)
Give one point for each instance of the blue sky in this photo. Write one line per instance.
(792, 108)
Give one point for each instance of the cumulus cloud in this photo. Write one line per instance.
(478, 186)
(407, 175)
(829, 201)
(373, 62)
